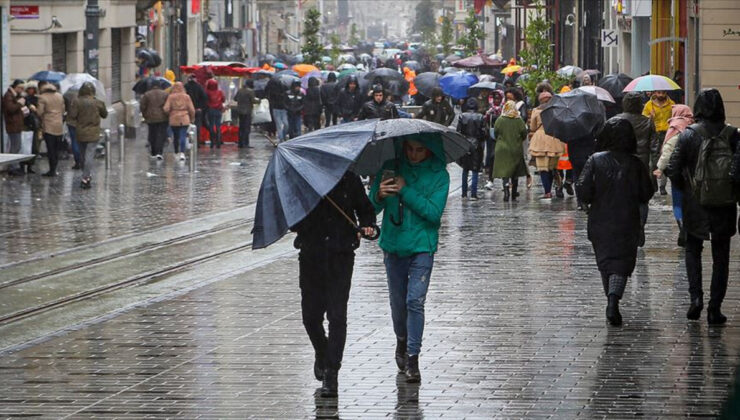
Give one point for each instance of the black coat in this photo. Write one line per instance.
(441, 113)
(371, 109)
(349, 103)
(275, 92)
(700, 221)
(197, 94)
(580, 149)
(329, 95)
(294, 101)
(615, 183)
(325, 229)
(312, 101)
(472, 125)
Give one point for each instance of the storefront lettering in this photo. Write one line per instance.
(730, 32)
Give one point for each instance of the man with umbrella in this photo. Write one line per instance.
(327, 243)
(437, 109)
(658, 109)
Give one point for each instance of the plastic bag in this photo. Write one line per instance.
(26, 142)
(261, 112)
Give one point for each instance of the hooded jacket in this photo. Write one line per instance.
(472, 125)
(441, 113)
(349, 102)
(51, 110)
(197, 94)
(87, 111)
(179, 107)
(312, 101)
(643, 126)
(215, 95)
(152, 105)
(329, 92)
(699, 221)
(294, 99)
(615, 183)
(423, 200)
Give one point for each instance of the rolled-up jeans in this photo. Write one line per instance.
(408, 283)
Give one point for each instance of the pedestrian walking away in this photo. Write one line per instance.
(614, 183)
(509, 161)
(329, 95)
(245, 102)
(87, 111)
(51, 112)
(411, 191)
(312, 105)
(327, 244)
(181, 113)
(215, 110)
(200, 102)
(472, 125)
(152, 108)
(703, 166)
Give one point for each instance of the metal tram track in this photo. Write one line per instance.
(125, 253)
(131, 281)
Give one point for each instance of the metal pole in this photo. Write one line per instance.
(106, 138)
(92, 34)
(193, 147)
(121, 138)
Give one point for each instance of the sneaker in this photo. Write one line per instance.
(182, 156)
(473, 197)
(159, 157)
(489, 185)
(152, 156)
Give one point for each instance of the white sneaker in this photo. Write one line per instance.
(152, 156)
(182, 156)
(159, 157)
(489, 185)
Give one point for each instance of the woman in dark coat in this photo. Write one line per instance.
(614, 182)
(312, 105)
(472, 125)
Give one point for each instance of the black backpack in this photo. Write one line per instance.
(712, 184)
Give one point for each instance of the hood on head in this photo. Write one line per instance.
(617, 136)
(312, 82)
(470, 105)
(432, 141)
(681, 111)
(632, 103)
(211, 84)
(169, 75)
(332, 77)
(87, 89)
(49, 87)
(437, 92)
(178, 87)
(709, 106)
(295, 83)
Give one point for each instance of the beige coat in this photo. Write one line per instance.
(179, 106)
(51, 111)
(542, 144)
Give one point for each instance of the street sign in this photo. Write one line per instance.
(609, 38)
(24, 12)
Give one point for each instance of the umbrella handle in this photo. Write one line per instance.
(400, 216)
(374, 236)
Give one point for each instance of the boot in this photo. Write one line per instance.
(413, 376)
(681, 234)
(715, 317)
(329, 385)
(402, 357)
(559, 192)
(318, 367)
(612, 311)
(697, 304)
(514, 193)
(506, 193)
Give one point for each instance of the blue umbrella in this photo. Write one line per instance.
(48, 76)
(304, 170)
(456, 84)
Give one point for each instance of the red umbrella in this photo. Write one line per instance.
(478, 61)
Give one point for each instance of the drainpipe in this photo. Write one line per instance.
(92, 36)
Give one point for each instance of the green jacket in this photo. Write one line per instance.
(509, 152)
(424, 198)
(87, 111)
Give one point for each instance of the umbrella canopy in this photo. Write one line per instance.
(347, 66)
(304, 170)
(593, 73)
(456, 84)
(650, 83)
(385, 74)
(73, 82)
(143, 85)
(573, 115)
(263, 72)
(569, 71)
(48, 76)
(325, 74)
(478, 87)
(412, 64)
(286, 80)
(478, 61)
(304, 69)
(615, 84)
(150, 58)
(326, 59)
(288, 72)
(452, 58)
(511, 69)
(450, 69)
(397, 87)
(304, 79)
(347, 72)
(365, 56)
(600, 93)
(427, 81)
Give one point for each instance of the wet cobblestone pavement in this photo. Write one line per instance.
(515, 329)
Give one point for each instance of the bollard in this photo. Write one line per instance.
(193, 147)
(121, 137)
(106, 137)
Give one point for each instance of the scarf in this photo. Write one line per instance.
(510, 110)
(495, 110)
(681, 117)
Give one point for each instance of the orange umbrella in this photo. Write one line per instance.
(304, 69)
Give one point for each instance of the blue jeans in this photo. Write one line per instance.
(294, 123)
(73, 140)
(214, 126)
(280, 116)
(473, 183)
(677, 198)
(408, 282)
(180, 135)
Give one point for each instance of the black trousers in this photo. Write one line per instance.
(245, 128)
(325, 280)
(720, 268)
(53, 143)
(312, 121)
(157, 136)
(330, 116)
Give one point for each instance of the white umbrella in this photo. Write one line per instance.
(74, 81)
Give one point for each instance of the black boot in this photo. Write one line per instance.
(514, 193)
(330, 385)
(612, 311)
(402, 357)
(681, 234)
(413, 376)
(559, 192)
(318, 367)
(694, 312)
(506, 193)
(715, 317)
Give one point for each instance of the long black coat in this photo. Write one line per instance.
(325, 229)
(472, 125)
(349, 103)
(615, 182)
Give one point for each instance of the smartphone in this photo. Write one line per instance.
(388, 174)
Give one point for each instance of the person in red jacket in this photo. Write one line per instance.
(215, 109)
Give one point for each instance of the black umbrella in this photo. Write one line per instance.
(427, 81)
(412, 64)
(304, 170)
(478, 87)
(385, 74)
(397, 87)
(450, 69)
(614, 84)
(286, 79)
(143, 85)
(149, 58)
(573, 115)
